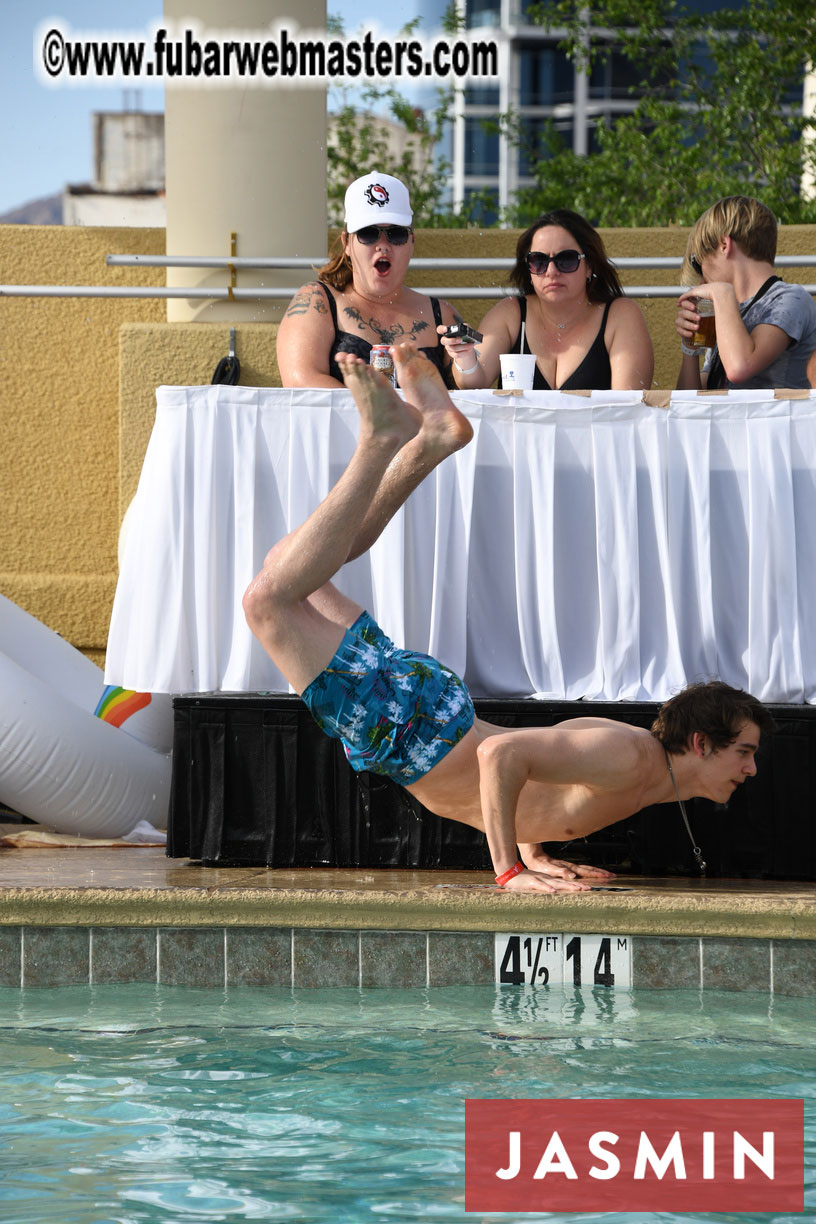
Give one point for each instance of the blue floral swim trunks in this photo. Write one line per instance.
(396, 712)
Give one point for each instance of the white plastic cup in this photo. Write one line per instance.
(517, 371)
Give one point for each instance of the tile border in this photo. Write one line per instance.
(36, 956)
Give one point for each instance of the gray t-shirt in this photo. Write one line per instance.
(791, 308)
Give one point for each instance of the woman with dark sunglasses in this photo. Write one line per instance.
(584, 333)
(360, 298)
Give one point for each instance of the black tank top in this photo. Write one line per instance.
(593, 374)
(348, 342)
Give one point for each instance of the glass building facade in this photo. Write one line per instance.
(550, 97)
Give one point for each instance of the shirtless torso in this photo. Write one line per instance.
(554, 811)
(532, 785)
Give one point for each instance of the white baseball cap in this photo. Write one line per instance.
(377, 199)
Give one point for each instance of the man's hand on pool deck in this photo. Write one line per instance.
(535, 859)
(539, 881)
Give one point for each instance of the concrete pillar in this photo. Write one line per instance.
(580, 113)
(244, 159)
(808, 186)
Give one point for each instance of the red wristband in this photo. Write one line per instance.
(505, 876)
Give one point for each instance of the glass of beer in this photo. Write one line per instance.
(705, 336)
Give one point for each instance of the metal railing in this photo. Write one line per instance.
(306, 264)
(304, 261)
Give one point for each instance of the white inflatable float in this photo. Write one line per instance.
(76, 754)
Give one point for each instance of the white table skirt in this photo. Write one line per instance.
(591, 547)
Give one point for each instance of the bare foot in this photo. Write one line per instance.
(444, 428)
(382, 412)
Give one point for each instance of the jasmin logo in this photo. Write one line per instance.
(376, 194)
(633, 1155)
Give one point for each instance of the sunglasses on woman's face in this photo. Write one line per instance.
(565, 261)
(397, 235)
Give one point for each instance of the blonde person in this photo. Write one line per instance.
(765, 329)
(360, 297)
(585, 334)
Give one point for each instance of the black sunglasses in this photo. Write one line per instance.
(397, 235)
(696, 265)
(565, 261)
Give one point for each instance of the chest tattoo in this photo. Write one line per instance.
(388, 335)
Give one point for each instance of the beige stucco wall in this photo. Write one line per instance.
(77, 393)
(59, 422)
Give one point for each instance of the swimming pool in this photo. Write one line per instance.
(168, 1105)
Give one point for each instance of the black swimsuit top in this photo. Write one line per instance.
(593, 374)
(348, 342)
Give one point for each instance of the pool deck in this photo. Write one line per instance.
(142, 887)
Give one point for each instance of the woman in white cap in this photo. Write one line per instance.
(360, 298)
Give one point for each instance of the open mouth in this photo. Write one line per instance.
(382, 265)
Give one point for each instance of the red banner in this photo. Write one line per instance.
(634, 1155)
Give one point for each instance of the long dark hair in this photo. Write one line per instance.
(603, 284)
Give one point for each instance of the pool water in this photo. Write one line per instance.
(167, 1105)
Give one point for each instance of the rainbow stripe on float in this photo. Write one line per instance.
(116, 704)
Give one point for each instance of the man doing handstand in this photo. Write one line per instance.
(408, 716)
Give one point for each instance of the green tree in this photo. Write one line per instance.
(361, 139)
(722, 113)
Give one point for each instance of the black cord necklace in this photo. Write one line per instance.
(698, 854)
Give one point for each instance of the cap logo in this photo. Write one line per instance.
(376, 194)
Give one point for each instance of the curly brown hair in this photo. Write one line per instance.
(712, 707)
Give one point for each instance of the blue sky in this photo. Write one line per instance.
(48, 131)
